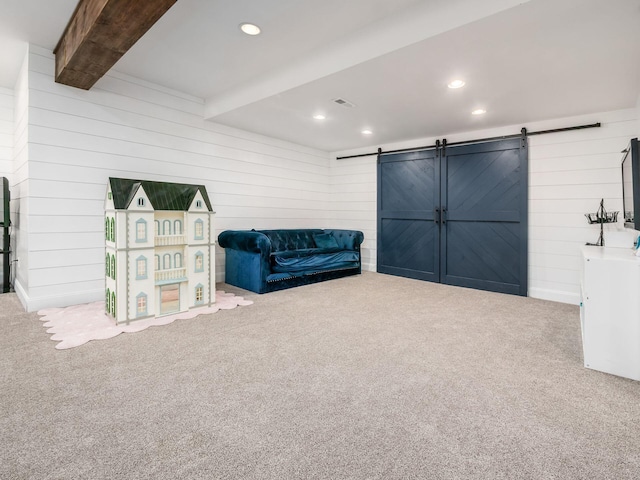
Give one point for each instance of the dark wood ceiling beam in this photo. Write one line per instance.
(99, 33)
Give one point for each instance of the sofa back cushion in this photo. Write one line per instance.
(324, 240)
(347, 239)
(294, 239)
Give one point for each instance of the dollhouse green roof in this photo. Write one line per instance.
(162, 195)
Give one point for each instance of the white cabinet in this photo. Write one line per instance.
(610, 310)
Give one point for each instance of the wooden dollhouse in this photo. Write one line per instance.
(159, 249)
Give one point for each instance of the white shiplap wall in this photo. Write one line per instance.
(19, 183)
(6, 142)
(638, 114)
(125, 127)
(569, 173)
(353, 201)
(6, 132)
(67, 142)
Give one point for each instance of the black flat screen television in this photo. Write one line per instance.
(631, 185)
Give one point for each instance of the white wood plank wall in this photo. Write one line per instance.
(125, 127)
(19, 183)
(6, 141)
(353, 201)
(569, 173)
(638, 116)
(67, 142)
(6, 132)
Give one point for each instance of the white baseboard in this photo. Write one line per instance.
(74, 298)
(555, 296)
(368, 267)
(35, 304)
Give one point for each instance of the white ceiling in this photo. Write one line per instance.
(522, 61)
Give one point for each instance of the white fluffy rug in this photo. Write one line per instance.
(78, 324)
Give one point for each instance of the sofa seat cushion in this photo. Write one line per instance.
(303, 252)
(320, 259)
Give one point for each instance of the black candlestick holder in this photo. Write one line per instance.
(601, 217)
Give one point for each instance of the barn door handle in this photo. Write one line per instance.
(436, 216)
(443, 216)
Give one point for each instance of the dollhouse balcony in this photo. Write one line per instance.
(171, 274)
(164, 240)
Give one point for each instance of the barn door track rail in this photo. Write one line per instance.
(438, 144)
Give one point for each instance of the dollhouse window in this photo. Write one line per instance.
(107, 304)
(157, 227)
(199, 264)
(108, 265)
(198, 203)
(141, 268)
(113, 230)
(107, 235)
(157, 262)
(113, 267)
(177, 261)
(166, 227)
(141, 231)
(141, 302)
(177, 227)
(166, 261)
(199, 230)
(113, 303)
(141, 202)
(199, 293)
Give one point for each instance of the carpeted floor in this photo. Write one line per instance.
(366, 377)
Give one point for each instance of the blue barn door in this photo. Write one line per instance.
(484, 221)
(408, 195)
(456, 215)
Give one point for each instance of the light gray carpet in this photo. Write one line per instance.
(366, 377)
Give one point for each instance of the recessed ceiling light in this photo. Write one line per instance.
(250, 28)
(367, 132)
(456, 84)
(319, 116)
(479, 111)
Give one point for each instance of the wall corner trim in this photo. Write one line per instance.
(554, 295)
(34, 304)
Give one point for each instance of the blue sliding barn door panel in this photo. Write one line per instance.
(408, 194)
(456, 215)
(484, 232)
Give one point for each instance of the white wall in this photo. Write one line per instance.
(6, 132)
(6, 142)
(638, 115)
(19, 181)
(125, 127)
(569, 173)
(67, 142)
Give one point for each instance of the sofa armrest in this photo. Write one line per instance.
(246, 241)
(246, 259)
(347, 239)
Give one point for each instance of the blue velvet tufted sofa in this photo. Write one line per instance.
(268, 260)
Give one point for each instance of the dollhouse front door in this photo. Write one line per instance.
(169, 298)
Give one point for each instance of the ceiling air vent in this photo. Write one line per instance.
(343, 102)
